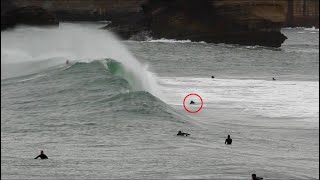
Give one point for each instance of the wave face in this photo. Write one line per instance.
(102, 79)
(52, 46)
(99, 86)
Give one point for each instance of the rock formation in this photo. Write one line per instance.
(250, 22)
(203, 20)
(30, 15)
(127, 26)
(302, 13)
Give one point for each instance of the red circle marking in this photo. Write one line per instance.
(184, 103)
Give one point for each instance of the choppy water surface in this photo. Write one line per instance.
(114, 111)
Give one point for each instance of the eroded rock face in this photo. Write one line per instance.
(247, 22)
(202, 20)
(128, 25)
(30, 15)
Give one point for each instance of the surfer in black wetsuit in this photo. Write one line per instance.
(273, 79)
(228, 140)
(182, 134)
(212, 77)
(42, 156)
(192, 102)
(254, 177)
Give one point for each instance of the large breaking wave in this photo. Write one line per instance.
(102, 74)
(27, 50)
(101, 86)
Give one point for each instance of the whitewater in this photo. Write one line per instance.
(114, 111)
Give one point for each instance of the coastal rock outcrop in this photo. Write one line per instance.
(215, 22)
(129, 25)
(248, 22)
(234, 22)
(29, 15)
(302, 13)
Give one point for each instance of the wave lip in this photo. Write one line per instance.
(112, 79)
(101, 86)
(76, 43)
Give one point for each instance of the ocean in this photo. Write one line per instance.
(114, 111)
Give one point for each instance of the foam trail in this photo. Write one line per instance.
(163, 40)
(73, 42)
(273, 99)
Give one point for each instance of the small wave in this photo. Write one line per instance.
(302, 28)
(303, 50)
(253, 47)
(312, 29)
(163, 40)
(32, 78)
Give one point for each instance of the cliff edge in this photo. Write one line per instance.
(247, 22)
(210, 21)
(30, 15)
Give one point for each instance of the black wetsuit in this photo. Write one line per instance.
(258, 178)
(42, 156)
(182, 134)
(228, 141)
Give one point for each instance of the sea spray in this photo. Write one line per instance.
(83, 43)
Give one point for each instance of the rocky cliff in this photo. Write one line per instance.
(251, 22)
(86, 10)
(297, 12)
(30, 15)
(302, 13)
(223, 21)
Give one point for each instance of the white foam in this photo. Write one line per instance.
(312, 29)
(73, 42)
(302, 28)
(163, 40)
(281, 99)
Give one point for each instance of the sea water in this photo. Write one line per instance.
(115, 109)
